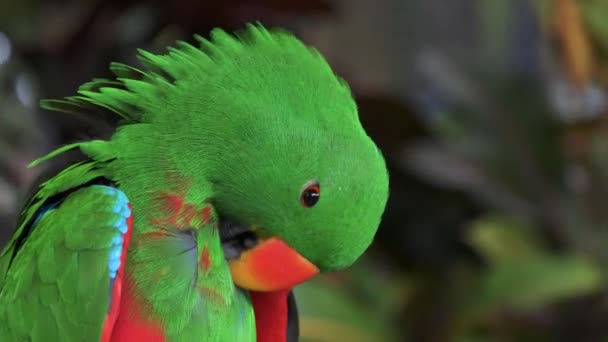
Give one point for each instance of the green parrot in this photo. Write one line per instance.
(238, 170)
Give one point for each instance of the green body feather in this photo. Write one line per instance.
(240, 123)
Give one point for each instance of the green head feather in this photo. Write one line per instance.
(253, 118)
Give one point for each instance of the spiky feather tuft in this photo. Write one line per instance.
(129, 95)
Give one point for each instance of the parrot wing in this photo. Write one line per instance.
(65, 271)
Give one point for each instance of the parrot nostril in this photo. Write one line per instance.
(236, 238)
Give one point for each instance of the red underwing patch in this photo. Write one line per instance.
(134, 323)
(205, 260)
(205, 214)
(174, 211)
(187, 214)
(170, 206)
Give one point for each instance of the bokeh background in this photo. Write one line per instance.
(492, 116)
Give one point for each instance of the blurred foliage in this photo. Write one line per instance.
(492, 118)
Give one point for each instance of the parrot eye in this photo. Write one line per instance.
(311, 193)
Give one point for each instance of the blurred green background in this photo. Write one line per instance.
(492, 116)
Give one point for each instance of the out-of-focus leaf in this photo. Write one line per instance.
(576, 48)
(537, 281)
(593, 13)
(522, 274)
(501, 239)
(567, 21)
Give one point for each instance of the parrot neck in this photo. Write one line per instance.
(270, 315)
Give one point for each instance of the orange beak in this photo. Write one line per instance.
(271, 265)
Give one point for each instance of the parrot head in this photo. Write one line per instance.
(298, 184)
(300, 196)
